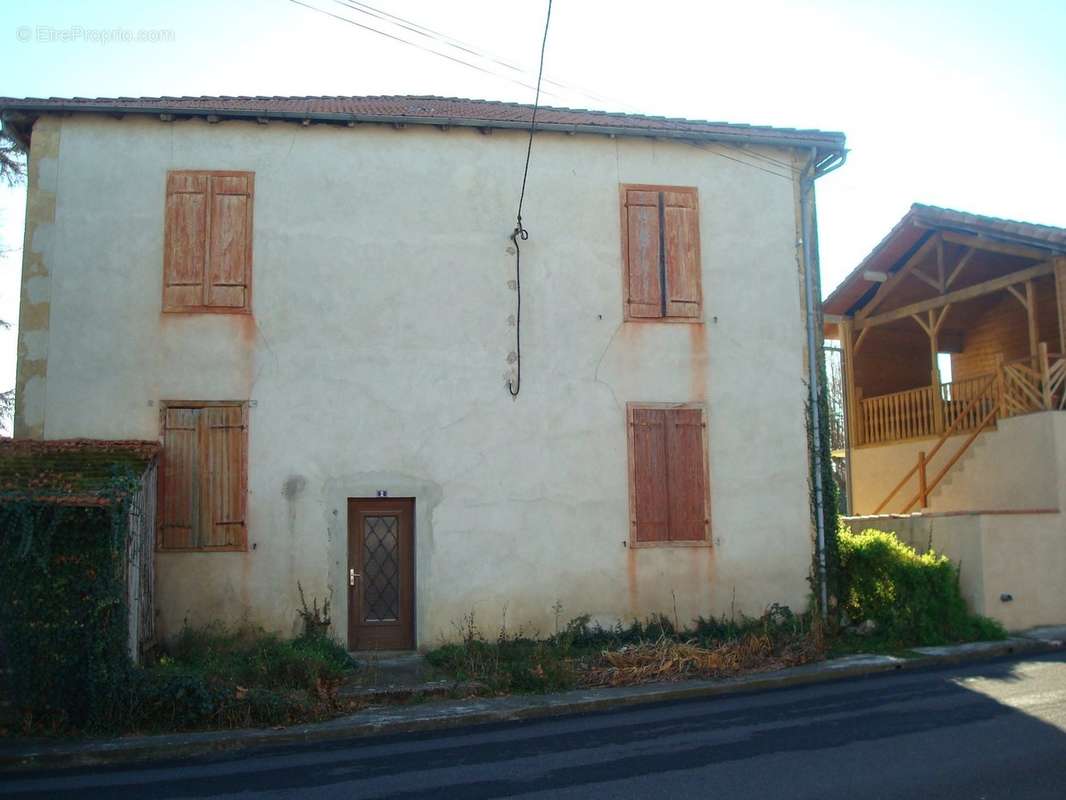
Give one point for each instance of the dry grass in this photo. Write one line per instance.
(667, 659)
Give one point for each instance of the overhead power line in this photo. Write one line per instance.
(470, 49)
(411, 44)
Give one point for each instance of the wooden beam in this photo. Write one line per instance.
(940, 320)
(858, 342)
(896, 278)
(995, 246)
(1021, 298)
(876, 277)
(920, 321)
(931, 281)
(963, 261)
(958, 296)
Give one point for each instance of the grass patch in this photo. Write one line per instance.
(582, 654)
(215, 677)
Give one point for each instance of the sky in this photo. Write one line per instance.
(958, 103)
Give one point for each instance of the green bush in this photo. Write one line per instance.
(62, 610)
(913, 598)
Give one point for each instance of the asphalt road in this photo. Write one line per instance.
(996, 730)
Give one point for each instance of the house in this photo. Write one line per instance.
(973, 462)
(312, 304)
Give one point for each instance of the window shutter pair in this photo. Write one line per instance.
(208, 241)
(661, 240)
(204, 475)
(670, 501)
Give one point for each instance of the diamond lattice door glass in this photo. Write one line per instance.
(381, 569)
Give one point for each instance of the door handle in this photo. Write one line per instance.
(352, 575)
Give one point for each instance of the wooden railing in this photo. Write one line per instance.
(1017, 387)
(1025, 385)
(898, 416)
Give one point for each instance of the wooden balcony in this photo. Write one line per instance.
(1017, 387)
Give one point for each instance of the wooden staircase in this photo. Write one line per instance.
(1017, 387)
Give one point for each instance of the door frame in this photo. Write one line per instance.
(404, 508)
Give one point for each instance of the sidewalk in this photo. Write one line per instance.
(383, 720)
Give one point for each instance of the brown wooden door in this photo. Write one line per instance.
(381, 574)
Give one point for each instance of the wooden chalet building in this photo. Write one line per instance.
(979, 454)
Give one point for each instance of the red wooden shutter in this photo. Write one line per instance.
(644, 289)
(686, 474)
(651, 509)
(185, 240)
(231, 241)
(223, 477)
(682, 240)
(181, 479)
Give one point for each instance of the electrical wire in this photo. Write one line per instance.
(414, 44)
(469, 49)
(520, 232)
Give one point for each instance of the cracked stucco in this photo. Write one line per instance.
(34, 315)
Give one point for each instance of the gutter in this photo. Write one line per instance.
(832, 146)
(814, 170)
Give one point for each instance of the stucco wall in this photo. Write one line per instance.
(1016, 466)
(1016, 554)
(376, 359)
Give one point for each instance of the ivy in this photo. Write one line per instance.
(63, 615)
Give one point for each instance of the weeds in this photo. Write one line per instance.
(583, 654)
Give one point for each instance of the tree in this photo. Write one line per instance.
(12, 173)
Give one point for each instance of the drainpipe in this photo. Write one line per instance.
(814, 170)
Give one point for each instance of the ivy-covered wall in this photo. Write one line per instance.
(63, 616)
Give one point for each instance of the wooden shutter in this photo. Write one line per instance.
(641, 242)
(204, 477)
(650, 495)
(686, 474)
(180, 479)
(669, 497)
(231, 241)
(207, 251)
(185, 240)
(682, 240)
(223, 483)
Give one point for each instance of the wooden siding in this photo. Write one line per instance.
(1002, 329)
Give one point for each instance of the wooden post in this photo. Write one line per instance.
(1060, 298)
(1045, 378)
(1030, 310)
(847, 357)
(938, 400)
(923, 491)
(1001, 388)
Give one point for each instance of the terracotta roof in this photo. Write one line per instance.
(71, 471)
(908, 234)
(429, 110)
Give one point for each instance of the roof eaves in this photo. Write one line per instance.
(724, 132)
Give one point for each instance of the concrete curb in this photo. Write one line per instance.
(22, 755)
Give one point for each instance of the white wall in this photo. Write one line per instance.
(1016, 466)
(377, 355)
